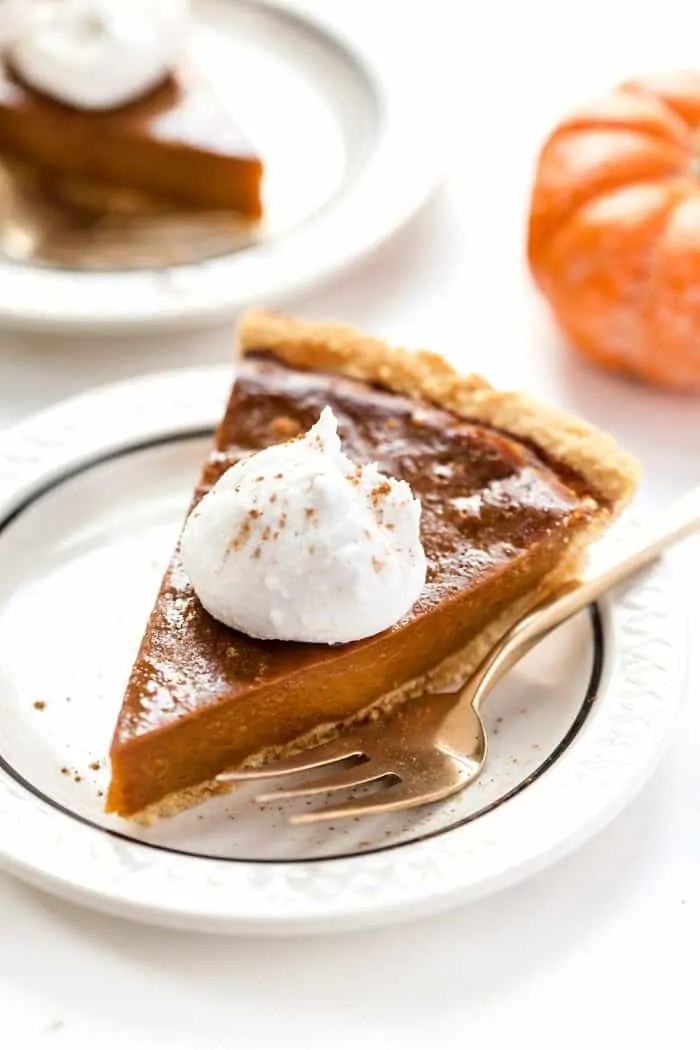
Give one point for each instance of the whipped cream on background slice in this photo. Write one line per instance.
(298, 543)
(93, 54)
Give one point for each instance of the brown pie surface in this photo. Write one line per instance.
(512, 494)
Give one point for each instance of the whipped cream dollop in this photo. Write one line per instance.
(298, 543)
(93, 54)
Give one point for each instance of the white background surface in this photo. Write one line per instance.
(602, 949)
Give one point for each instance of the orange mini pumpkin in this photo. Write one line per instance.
(614, 233)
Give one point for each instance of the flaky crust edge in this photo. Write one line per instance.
(611, 473)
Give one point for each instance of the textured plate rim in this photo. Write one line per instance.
(395, 182)
(606, 764)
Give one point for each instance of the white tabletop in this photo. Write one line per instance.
(599, 948)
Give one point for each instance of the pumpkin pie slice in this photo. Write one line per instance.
(512, 495)
(177, 146)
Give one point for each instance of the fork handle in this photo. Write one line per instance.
(641, 547)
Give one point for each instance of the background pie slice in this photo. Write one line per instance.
(512, 494)
(178, 145)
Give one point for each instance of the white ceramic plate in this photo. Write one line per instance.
(92, 493)
(351, 147)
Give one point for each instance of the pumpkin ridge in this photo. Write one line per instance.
(679, 92)
(654, 118)
(624, 318)
(678, 324)
(652, 265)
(547, 219)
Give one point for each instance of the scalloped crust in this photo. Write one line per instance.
(610, 473)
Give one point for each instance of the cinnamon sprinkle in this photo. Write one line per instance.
(241, 536)
(382, 489)
(379, 492)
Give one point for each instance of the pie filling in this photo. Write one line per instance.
(497, 518)
(178, 143)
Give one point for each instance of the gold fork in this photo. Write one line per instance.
(433, 747)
